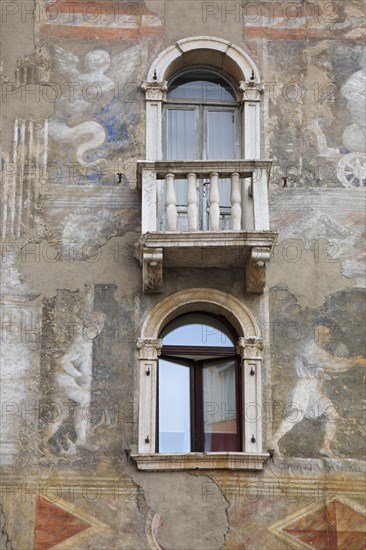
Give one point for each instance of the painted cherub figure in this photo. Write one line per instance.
(81, 86)
(307, 399)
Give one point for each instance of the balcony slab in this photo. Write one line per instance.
(249, 250)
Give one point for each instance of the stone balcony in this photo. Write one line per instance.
(204, 228)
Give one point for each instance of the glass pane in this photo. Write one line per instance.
(180, 145)
(221, 145)
(201, 86)
(219, 406)
(197, 330)
(174, 408)
(180, 134)
(221, 135)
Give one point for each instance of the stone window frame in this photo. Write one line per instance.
(218, 54)
(249, 347)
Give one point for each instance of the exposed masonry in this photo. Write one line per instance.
(5, 542)
(189, 516)
(226, 507)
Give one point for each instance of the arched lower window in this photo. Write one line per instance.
(199, 386)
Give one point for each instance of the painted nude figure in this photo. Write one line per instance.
(307, 399)
(72, 379)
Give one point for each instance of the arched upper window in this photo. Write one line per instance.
(199, 390)
(230, 77)
(201, 121)
(201, 118)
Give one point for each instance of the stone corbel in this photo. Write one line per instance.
(155, 91)
(251, 91)
(256, 269)
(152, 269)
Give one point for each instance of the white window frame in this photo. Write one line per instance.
(249, 347)
(237, 63)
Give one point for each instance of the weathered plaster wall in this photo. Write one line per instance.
(71, 123)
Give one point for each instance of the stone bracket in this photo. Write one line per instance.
(152, 269)
(256, 269)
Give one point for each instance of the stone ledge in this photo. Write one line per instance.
(199, 461)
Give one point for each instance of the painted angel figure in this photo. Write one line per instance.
(82, 89)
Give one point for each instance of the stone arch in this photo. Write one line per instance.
(218, 52)
(210, 300)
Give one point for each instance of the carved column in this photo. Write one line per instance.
(250, 350)
(251, 97)
(149, 352)
(155, 94)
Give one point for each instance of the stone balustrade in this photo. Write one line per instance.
(248, 208)
(204, 214)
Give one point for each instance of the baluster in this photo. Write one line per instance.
(214, 202)
(235, 199)
(171, 202)
(192, 202)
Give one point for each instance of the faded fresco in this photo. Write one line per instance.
(318, 366)
(93, 122)
(307, 398)
(73, 128)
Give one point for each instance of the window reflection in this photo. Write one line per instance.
(201, 86)
(174, 407)
(197, 330)
(219, 406)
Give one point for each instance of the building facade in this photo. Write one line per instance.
(183, 275)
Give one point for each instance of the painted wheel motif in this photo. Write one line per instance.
(351, 170)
